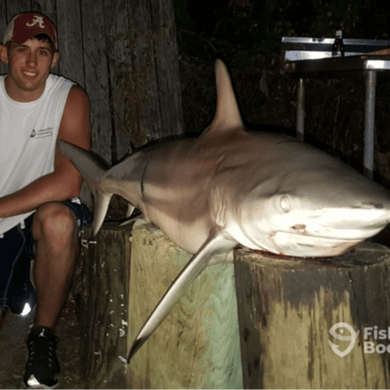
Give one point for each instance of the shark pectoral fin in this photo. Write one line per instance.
(215, 243)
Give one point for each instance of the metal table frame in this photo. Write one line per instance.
(311, 58)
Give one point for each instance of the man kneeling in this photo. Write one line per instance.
(40, 213)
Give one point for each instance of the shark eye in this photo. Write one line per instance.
(285, 203)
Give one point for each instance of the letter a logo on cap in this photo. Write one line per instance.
(37, 20)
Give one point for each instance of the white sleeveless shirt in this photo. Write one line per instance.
(28, 134)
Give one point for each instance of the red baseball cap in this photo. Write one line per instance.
(26, 25)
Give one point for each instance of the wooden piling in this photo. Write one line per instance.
(102, 290)
(288, 306)
(197, 346)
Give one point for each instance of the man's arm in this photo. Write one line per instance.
(65, 182)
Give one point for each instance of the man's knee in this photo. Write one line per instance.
(54, 219)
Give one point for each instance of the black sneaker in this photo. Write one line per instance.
(42, 365)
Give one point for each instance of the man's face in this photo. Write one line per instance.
(29, 65)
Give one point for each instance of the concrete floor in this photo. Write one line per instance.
(13, 349)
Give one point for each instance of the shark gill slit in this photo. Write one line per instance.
(142, 179)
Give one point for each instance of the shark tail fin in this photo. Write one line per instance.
(227, 115)
(92, 169)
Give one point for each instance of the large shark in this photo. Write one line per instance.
(265, 191)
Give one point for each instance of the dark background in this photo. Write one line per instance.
(247, 34)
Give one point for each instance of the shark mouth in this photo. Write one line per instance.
(292, 244)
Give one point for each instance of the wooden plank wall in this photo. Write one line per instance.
(133, 83)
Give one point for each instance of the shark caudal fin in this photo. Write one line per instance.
(92, 170)
(227, 115)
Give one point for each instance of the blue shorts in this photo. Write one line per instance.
(16, 252)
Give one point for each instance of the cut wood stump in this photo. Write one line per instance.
(289, 309)
(197, 346)
(101, 289)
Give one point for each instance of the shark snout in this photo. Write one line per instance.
(350, 223)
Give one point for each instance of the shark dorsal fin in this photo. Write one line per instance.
(227, 115)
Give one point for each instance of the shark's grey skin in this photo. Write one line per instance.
(262, 190)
